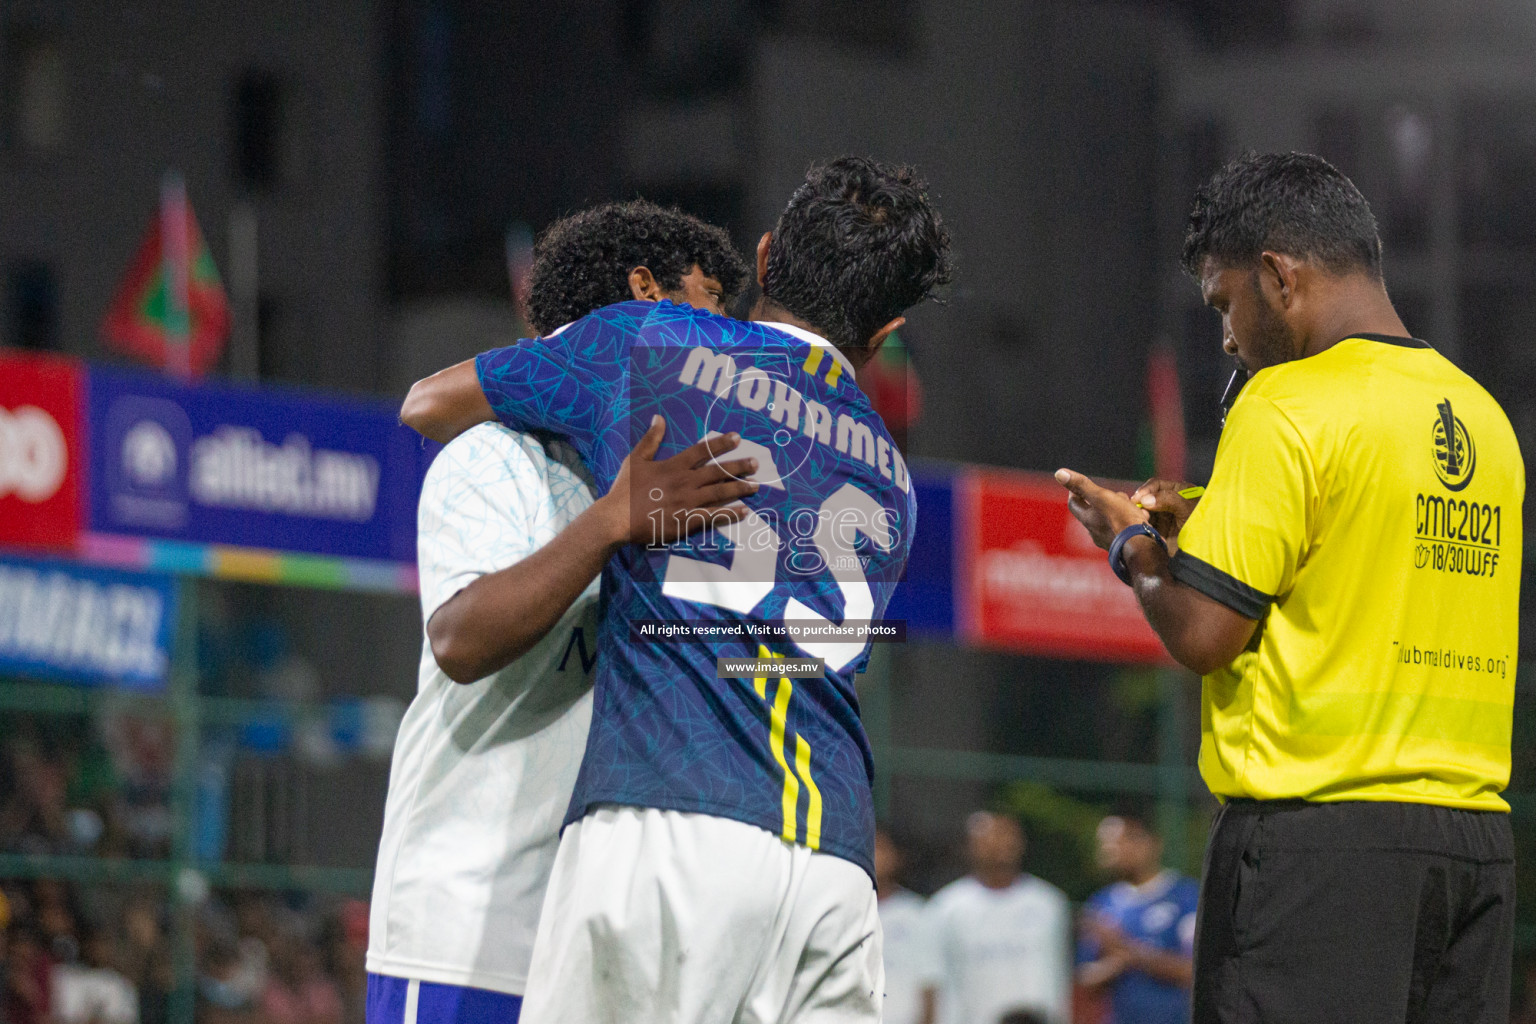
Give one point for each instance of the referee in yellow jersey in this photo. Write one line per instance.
(1348, 585)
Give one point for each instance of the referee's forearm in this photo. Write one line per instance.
(500, 616)
(1202, 635)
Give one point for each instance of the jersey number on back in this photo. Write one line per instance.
(750, 577)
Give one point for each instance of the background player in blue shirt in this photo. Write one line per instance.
(1138, 935)
(693, 882)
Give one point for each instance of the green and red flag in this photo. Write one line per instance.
(890, 381)
(171, 310)
(1162, 447)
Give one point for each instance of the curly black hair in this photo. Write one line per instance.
(858, 245)
(1294, 203)
(582, 262)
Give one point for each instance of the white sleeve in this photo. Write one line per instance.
(479, 508)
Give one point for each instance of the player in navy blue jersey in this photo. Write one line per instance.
(1138, 935)
(718, 858)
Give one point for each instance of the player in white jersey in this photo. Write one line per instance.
(1004, 936)
(911, 956)
(510, 545)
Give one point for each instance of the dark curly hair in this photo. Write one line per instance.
(582, 262)
(858, 245)
(1294, 203)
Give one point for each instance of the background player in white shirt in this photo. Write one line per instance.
(1004, 936)
(911, 958)
(510, 544)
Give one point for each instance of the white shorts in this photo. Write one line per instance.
(662, 917)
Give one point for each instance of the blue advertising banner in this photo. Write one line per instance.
(265, 468)
(61, 620)
(925, 598)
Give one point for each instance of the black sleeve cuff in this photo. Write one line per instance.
(1219, 586)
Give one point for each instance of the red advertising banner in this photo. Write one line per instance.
(41, 451)
(1031, 579)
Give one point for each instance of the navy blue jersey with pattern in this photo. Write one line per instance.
(1160, 914)
(826, 542)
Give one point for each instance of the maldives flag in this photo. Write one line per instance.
(891, 383)
(171, 310)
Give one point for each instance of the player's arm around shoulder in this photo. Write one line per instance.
(499, 616)
(444, 405)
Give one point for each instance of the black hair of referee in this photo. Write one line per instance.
(584, 261)
(1295, 203)
(1259, 220)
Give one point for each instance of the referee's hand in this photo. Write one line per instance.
(1102, 511)
(1166, 502)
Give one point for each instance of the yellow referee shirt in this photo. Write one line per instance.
(1365, 507)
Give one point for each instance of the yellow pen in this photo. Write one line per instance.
(1188, 494)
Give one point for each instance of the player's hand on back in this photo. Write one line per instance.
(659, 501)
(1169, 503)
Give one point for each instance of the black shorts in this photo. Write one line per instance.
(1355, 913)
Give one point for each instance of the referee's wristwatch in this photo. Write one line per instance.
(1117, 548)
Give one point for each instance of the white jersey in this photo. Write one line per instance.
(483, 772)
(1003, 949)
(911, 957)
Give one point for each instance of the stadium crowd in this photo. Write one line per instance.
(102, 954)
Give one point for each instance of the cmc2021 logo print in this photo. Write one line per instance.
(1455, 454)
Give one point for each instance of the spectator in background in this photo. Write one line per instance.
(911, 960)
(93, 991)
(1004, 937)
(346, 946)
(222, 998)
(298, 990)
(28, 993)
(33, 809)
(1138, 934)
(147, 959)
(255, 934)
(55, 914)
